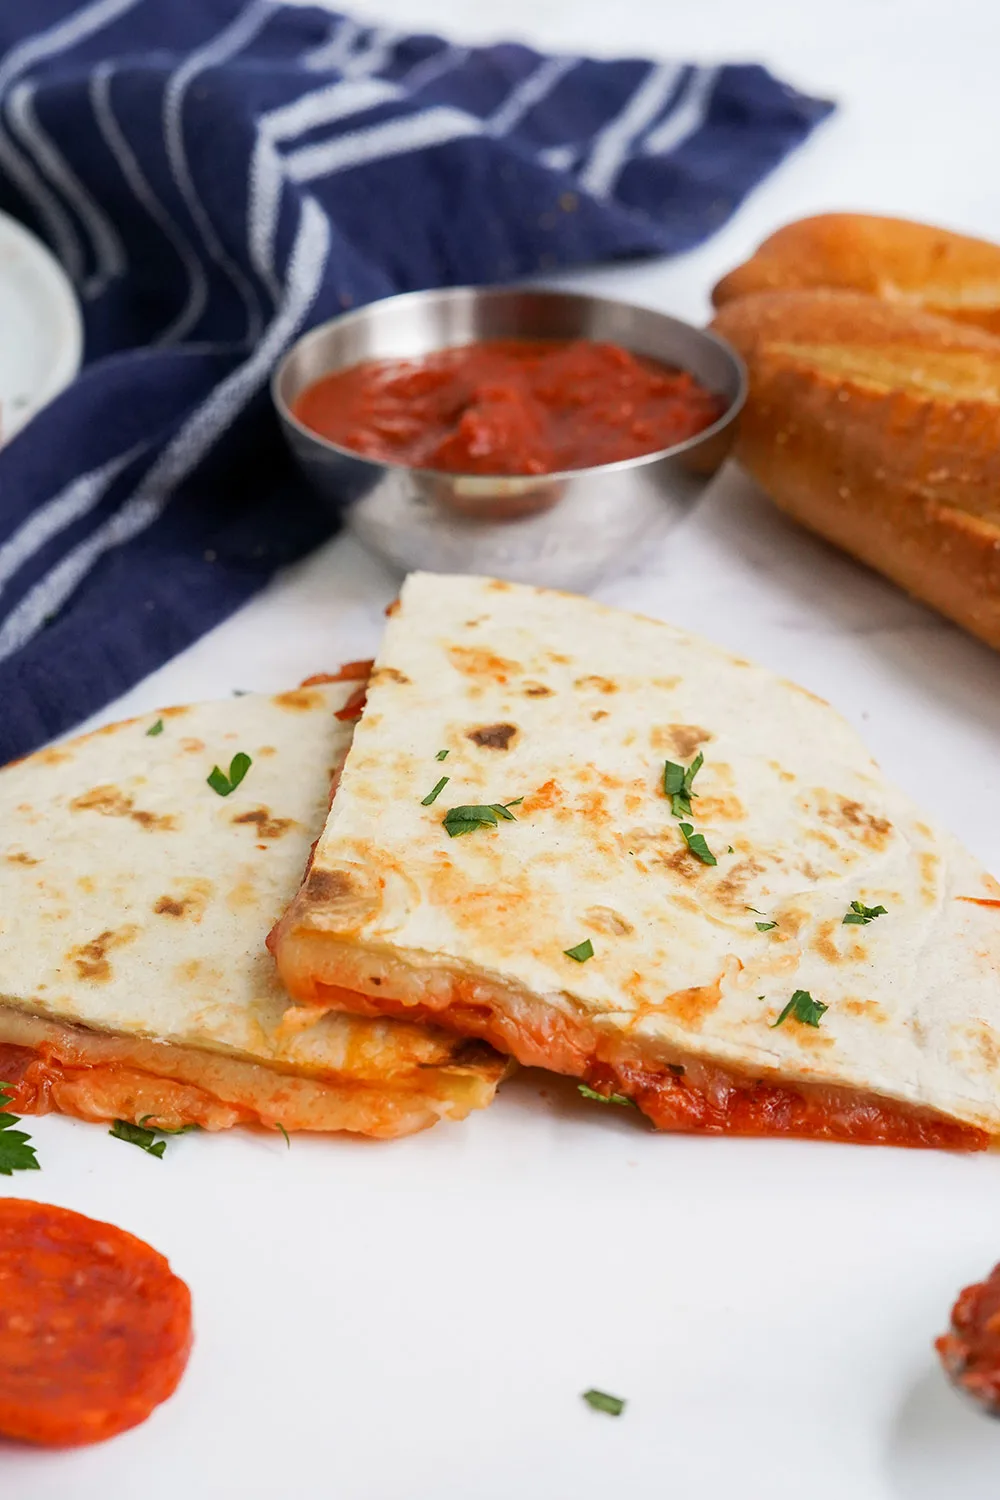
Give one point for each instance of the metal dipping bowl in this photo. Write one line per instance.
(561, 530)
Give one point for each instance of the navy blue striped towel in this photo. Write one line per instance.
(217, 175)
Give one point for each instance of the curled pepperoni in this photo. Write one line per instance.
(970, 1353)
(95, 1329)
(351, 671)
(355, 705)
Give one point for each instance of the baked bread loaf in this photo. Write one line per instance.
(911, 265)
(878, 426)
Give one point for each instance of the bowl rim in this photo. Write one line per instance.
(453, 476)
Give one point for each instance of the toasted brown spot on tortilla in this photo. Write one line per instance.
(869, 1008)
(168, 907)
(929, 871)
(329, 885)
(192, 746)
(86, 884)
(606, 919)
(299, 700)
(492, 736)
(389, 674)
(987, 1044)
(189, 899)
(267, 827)
(691, 1006)
(549, 794)
(498, 586)
(846, 814)
(780, 771)
(266, 751)
(145, 819)
(243, 893)
(823, 944)
(52, 757)
(476, 663)
(599, 713)
(90, 959)
(598, 684)
(681, 861)
(175, 712)
(112, 802)
(537, 690)
(731, 889)
(20, 858)
(683, 739)
(730, 809)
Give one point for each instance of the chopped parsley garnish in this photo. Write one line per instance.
(601, 1401)
(15, 1153)
(861, 915)
(441, 755)
(802, 1007)
(238, 768)
(765, 926)
(154, 729)
(589, 1093)
(433, 795)
(467, 818)
(138, 1135)
(696, 843)
(581, 952)
(284, 1132)
(677, 784)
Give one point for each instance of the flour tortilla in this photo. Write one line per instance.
(574, 708)
(134, 904)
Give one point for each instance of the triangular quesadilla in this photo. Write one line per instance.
(140, 869)
(653, 866)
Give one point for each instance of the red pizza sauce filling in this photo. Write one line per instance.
(692, 1096)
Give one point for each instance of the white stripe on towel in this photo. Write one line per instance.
(227, 44)
(612, 144)
(193, 441)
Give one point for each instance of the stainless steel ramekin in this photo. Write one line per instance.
(562, 530)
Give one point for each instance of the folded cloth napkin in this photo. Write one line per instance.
(218, 175)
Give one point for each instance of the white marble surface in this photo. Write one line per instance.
(414, 1322)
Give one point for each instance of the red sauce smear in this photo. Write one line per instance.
(970, 1353)
(509, 406)
(95, 1329)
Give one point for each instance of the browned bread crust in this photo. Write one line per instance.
(878, 426)
(911, 265)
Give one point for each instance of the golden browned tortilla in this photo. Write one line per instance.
(134, 904)
(724, 993)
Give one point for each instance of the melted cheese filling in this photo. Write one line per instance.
(680, 1093)
(99, 1076)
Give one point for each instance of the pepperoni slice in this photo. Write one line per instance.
(95, 1329)
(351, 671)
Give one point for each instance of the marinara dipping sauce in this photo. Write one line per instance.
(970, 1351)
(509, 406)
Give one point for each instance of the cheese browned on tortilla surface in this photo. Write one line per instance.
(134, 904)
(725, 992)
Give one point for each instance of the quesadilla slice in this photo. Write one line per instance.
(140, 869)
(653, 866)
